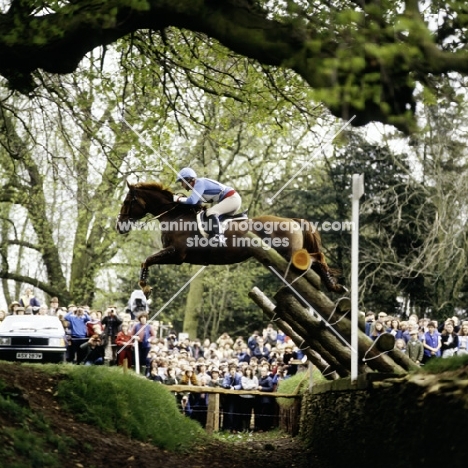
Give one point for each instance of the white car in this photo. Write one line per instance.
(32, 338)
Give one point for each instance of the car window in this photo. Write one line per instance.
(28, 322)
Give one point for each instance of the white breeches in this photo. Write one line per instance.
(227, 206)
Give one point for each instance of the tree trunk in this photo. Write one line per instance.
(193, 307)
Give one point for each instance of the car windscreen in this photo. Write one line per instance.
(28, 323)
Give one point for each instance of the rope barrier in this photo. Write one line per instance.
(374, 357)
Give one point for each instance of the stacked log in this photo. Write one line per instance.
(303, 313)
(330, 371)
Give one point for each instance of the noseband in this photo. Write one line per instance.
(133, 199)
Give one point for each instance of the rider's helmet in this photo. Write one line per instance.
(186, 173)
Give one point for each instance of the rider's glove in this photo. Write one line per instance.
(178, 198)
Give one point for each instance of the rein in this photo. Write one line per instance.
(142, 203)
(159, 215)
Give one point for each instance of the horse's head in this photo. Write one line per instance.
(141, 199)
(133, 208)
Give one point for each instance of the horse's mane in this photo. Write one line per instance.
(152, 186)
(159, 187)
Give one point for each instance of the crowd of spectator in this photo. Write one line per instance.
(421, 339)
(257, 362)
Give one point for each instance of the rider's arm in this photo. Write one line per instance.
(196, 197)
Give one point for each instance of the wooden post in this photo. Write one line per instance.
(311, 378)
(212, 418)
(301, 259)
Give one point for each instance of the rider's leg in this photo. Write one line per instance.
(227, 206)
(215, 229)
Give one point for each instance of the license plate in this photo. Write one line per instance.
(28, 355)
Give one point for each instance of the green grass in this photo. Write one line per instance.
(114, 402)
(101, 396)
(127, 404)
(439, 365)
(298, 382)
(26, 440)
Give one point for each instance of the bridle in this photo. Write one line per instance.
(140, 202)
(133, 199)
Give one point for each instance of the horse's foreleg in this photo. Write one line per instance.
(142, 283)
(165, 256)
(143, 272)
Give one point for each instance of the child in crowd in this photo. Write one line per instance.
(415, 348)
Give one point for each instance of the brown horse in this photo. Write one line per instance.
(183, 242)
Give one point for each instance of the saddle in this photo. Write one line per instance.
(223, 219)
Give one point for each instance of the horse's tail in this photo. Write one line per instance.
(312, 242)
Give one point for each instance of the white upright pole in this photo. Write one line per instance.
(358, 191)
(137, 357)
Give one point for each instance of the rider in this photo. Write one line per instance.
(226, 200)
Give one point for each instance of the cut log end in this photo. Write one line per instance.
(385, 342)
(301, 259)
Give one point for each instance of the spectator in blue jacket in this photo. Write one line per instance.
(369, 321)
(243, 355)
(432, 342)
(144, 332)
(231, 404)
(261, 351)
(264, 405)
(77, 320)
(252, 341)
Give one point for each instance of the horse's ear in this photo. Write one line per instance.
(129, 185)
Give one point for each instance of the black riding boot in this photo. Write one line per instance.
(215, 230)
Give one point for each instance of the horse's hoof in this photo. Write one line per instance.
(339, 288)
(147, 291)
(142, 284)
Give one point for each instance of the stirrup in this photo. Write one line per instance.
(220, 239)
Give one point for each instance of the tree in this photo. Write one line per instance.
(363, 58)
(413, 234)
(62, 227)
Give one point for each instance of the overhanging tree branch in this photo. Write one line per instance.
(369, 63)
(46, 287)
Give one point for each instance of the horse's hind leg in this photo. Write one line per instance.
(322, 269)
